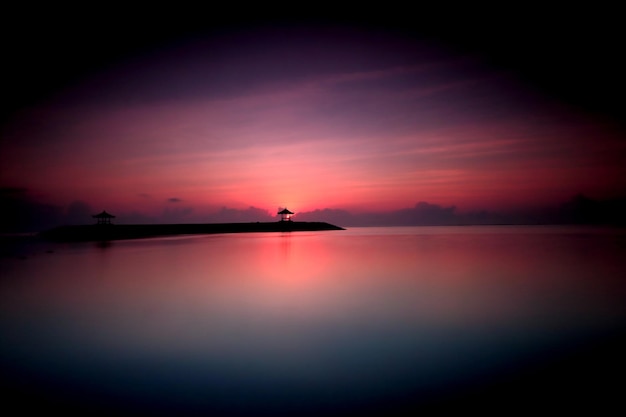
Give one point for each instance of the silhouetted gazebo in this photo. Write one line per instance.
(285, 215)
(103, 218)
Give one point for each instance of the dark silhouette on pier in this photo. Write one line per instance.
(136, 231)
(285, 215)
(103, 218)
(104, 230)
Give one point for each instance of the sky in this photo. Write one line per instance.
(180, 122)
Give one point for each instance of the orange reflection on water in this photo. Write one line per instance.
(170, 286)
(322, 312)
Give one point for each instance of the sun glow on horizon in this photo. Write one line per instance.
(379, 131)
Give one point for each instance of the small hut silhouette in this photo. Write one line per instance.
(103, 218)
(285, 215)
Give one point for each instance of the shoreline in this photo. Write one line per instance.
(137, 231)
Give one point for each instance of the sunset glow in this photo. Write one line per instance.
(314, 210)
(341, 119)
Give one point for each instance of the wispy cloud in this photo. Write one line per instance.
(385, 134)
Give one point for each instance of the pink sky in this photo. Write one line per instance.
(309, 122)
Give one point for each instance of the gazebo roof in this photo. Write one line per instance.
(103, 215)
(285, 211)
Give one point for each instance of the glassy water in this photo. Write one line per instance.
(367, 320)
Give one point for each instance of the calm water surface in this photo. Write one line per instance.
(362, 320)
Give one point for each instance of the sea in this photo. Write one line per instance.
(363, 321)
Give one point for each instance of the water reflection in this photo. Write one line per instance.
(364, 319)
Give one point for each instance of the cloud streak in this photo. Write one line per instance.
(270, 126)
